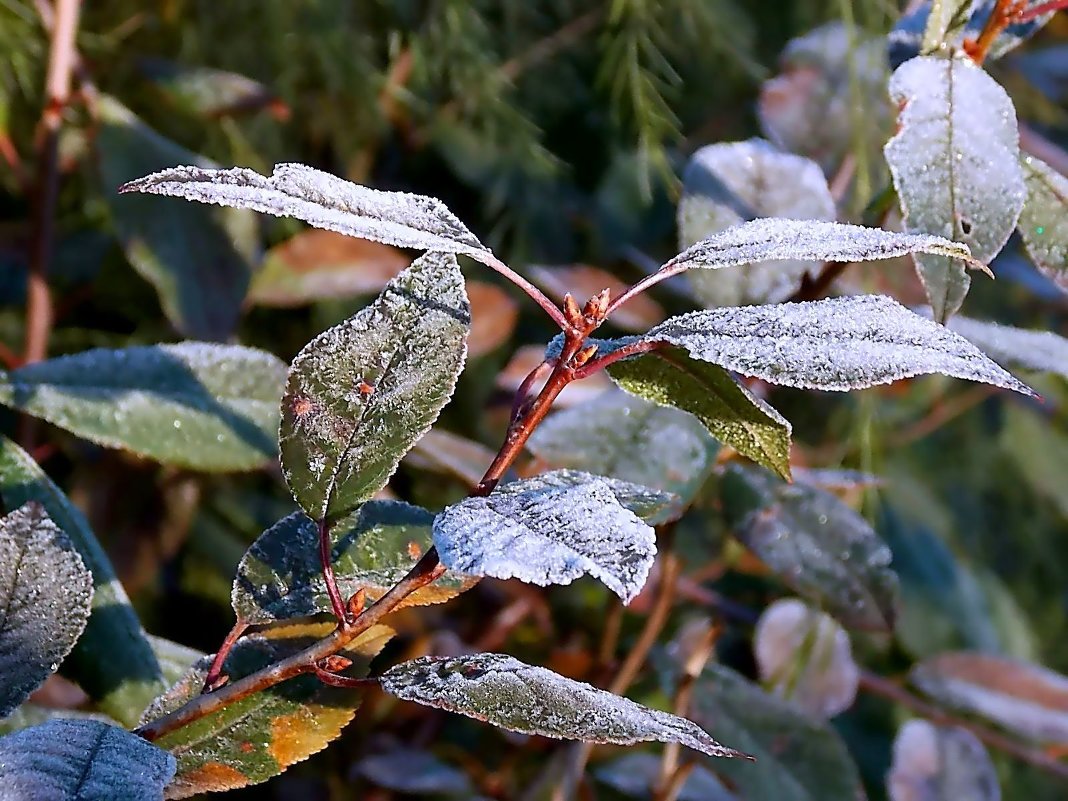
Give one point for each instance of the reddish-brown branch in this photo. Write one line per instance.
(214, 680)
(625, 352)
(61, 58)
(1042, 8)
(1005, 13)
(326, 546)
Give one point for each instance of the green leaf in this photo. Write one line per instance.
(208, 92)
(280, 577)
(82, 759)
(733, 415)
(945, 20)
(797, 758)
(1029, 700)
(940, 763)
(816, 544)
(1043, 223)
(199, 259)
(321, 265)
(174, 659)
(626, 437)
(728, 183)
(45, 596)
(258, 737)
(360, 394)
(553, 528)
(112, 661)
(532, 700)
(193, 404)
(955, 163)
(1020, 348)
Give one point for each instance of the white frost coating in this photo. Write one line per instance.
(935, 763)
(325, 201)
(532, 700)
(813, 240)
(955, 163)
(1016, 347)
(45, 596)
(549, 530)
(805, 656)
(730, 182)
(836, 344)
(1026, 699)
(1043, 222)
(84, 759)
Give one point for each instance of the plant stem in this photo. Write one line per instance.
(1042, 8)
(535, 294)
(211, 681)
(337, 603)
(1005, 13)
(625, 352)
(426, 570)
(39, 307)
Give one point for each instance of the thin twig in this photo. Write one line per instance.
(1004, 14)
(1042, 8)
(884, 688)
(532, 291)
(326, 547)
(39, 310)
(214, 680)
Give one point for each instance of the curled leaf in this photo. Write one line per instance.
(532, 700)
(940, 763)
(806, 657)
(323, 200)
(1043, 223)
(553, 528)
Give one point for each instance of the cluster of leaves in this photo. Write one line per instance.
(621, 489)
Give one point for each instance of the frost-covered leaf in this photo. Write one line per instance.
(797, 758)
(940, 763)
(955, 164)
(81, 759)
(280, 577)
(193, 404)
(360, 394)
(637, 774)
(414, 772)
(816, 544)
(625, 437)
(113, 661)
(45, 595)
(906, 40)
(1043, 222)
(324, 201)
(836, 344)
(729, 183)
(732, 413)
(811, 109)
(945, 18)
(1029, 700)
(805, 656)
(532, 700)
(808, 240)
(258, 737)
(555, 527)
(319, 265)
(198, 259)
(1021, 348)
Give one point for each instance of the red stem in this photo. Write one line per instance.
(337, 603)
(211, 682)
(1042, 8)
